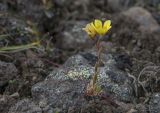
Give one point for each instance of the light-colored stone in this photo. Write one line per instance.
(119, 5)
(143, 18)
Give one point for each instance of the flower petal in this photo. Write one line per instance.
(86, 28)
(90, 30)
(98, 23)
(107, 24)
(97, 29)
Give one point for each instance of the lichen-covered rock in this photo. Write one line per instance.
(25, 106)
(67, 96)
(111, 78)
(80, 72)
(144, 18)
(154, 103)
(59, 95)
(7, 72)
(64, 88)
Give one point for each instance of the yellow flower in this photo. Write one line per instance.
(101, 29)
(97, 28)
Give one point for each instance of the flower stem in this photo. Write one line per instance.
(97, 65)
(93, 88)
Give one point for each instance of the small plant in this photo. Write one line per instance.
(96, 29)
(16, 48)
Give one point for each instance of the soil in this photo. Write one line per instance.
(51, 18)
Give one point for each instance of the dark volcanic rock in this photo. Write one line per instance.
(14, 31)
(29, 9)
(59, 95)
(111, 78)
(6, 101)
(68, 96)
(25, 106)
(65, 87)
(154, 104)
(7, 72)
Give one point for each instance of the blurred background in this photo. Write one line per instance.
(58, 23)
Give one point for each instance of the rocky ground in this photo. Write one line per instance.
(53, 77)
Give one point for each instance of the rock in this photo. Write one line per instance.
(16, 28)
(32, 9)
(33, 70)
(74, 73)
(58, 94)
(7, 72)
(154, 103)
(67, 96)
(143, 18)
(3, 7)
(86, 58)
(75, 60)
(119, 5)
(64, 88)
(32, 63)
(111, 78)
(6, 101)
(141, 108)
(25, 106)
(73, 37)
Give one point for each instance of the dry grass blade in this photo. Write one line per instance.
(11, 49)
